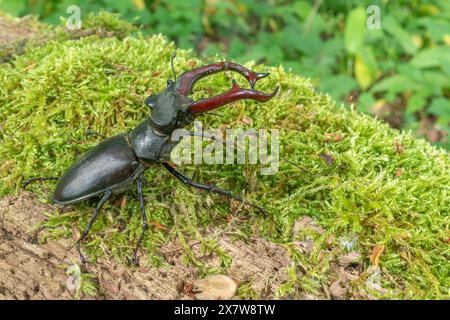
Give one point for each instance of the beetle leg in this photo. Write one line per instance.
(187, 181)
(105, 198)
(28, 181)
(144, 218)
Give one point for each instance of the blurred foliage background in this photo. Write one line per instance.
(389, 58)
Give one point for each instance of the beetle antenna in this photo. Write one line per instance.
(215, 114)
(174, 54)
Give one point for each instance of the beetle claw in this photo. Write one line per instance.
(187, 80)
(256, 77)
(135, 260)
(82, 258)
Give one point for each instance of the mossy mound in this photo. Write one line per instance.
(366, 185)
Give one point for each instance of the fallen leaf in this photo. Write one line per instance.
(376, 253)
(158, 225)
(188, 290)
(334, 137)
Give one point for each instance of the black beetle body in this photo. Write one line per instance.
(148, 144)
(112, 164)
(116, 163)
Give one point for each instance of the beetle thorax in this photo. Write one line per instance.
(169, 110)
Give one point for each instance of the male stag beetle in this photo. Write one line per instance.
(116, 163)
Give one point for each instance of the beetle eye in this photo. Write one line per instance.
(151, 101)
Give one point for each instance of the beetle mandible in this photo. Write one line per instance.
(116, 163)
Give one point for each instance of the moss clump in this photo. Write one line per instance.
(363, 182)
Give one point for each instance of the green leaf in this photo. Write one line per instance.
(410, 71)
(302, 8)
(338, 86)
(363, 74)
(440, 107)
(436, 28)
(13, 7)
(415, 103)
(368, 57)
(365, 102)
(308, 43)
(435, 81)
(400, 34)
(365, 67)
(355, 29)
(236, 48)
(120, 6)
(432, 57)
(396, 84)
(444, 5)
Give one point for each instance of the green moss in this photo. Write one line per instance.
(52, 95)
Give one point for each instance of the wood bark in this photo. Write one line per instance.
(29, 270)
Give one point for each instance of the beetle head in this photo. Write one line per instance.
(172, 109)
(169, 110)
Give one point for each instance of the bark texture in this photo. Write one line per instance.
(29, 270)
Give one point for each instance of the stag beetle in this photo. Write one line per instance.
(116, 163)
